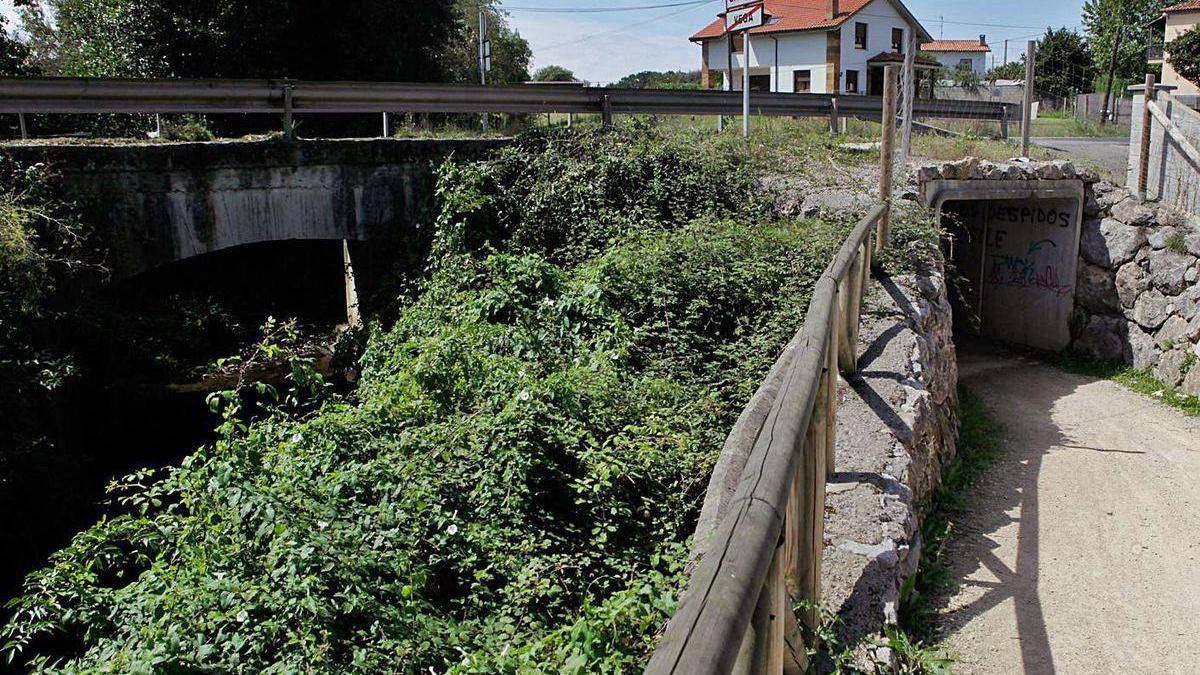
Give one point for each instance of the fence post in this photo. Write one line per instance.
(387, 125)
(353, 317)
(606, 110)
(1144, 150)
(910, 89)
(1004, 121)
(289, 129)
(886, 152)
(1027, 111)
(833, 114)
(24, 129)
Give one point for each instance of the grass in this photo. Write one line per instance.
(1141, 381)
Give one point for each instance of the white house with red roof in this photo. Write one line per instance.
(816, 46)
(960, 54)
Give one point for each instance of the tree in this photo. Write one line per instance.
(510, 52)
(1183, 53)
(304, 39)
(654, 79)
(553, 74)
(14, 54)
(1063, 67)
(1102, 18)
(1013, 70)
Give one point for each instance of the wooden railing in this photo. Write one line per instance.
(736, 615)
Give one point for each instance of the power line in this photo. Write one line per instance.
(624, 28)
(598, 10)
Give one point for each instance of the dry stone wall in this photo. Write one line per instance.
(1138, 300)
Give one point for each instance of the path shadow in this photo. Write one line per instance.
(1026, 391)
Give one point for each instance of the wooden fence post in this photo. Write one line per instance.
(606, 117)
(850, 296)
(887, 145)
(769, 622)
(1144, 150)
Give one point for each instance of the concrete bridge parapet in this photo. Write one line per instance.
(156, 204)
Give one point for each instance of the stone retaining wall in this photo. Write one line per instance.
(1138, 300)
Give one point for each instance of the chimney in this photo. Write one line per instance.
(831, 9)
(982, 40)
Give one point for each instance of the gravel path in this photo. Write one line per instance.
(1082, 551)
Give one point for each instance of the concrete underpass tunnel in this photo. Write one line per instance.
(1013, 248)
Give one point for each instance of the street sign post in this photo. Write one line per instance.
(740, 17)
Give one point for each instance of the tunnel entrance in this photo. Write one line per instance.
(1014, 249)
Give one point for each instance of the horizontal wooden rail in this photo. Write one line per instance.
(112, 95)
(1185, 145)
(737, 612)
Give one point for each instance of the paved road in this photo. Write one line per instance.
(1110, 156)
(1082, 552)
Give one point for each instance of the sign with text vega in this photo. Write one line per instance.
(740, 16)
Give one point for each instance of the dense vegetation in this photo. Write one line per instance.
(655, 79)
(510, 488)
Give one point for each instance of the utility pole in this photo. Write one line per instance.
(1112, 69)
(1005, 62)
(909, 94)
(1027, 108)
(746, 84)
(941, 27)
(485, 57)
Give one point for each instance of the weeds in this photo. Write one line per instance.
(1141, 381)
(1176, 242)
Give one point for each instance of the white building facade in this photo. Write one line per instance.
(813, 46)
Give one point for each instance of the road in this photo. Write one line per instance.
(1108, 155)
(1081, 553)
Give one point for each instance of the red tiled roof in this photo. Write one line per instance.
(956, 46)
(1185, 6)
(791, 15)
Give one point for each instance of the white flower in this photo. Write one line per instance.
(321, 524)
(452, 530)
(296, 438)
(524, 396)
(613, 356)
(521, 372)
(242, 616)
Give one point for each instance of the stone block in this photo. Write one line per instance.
(1173, 333)
(1130, 212)
(1102, 338)
(1131, 281)
(1096, 289)
(1109, 242)
(1168, 269)
(1191, 381)
(1143, 353)
(1170, 367)
(1150, 309)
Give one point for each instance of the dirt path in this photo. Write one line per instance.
(1082, 551)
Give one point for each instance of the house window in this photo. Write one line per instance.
(802, 81)
(852, 81)
(860, 35)
(965, 64)
(898, 40)
(760, 83)
(739, 42)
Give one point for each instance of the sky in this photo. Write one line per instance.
(607, 45)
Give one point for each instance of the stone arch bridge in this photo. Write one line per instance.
(157, 204)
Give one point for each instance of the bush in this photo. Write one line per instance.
(511, 487)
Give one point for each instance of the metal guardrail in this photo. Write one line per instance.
(736, 615)
(98, 95)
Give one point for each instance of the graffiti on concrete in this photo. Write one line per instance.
(1038, 268)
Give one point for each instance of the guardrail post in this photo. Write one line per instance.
(1004, 122)
(24, 129)
(887, 143)
(1144, 151)
(606, 116)
(387, 125)
(833, 115)
(289, 128)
